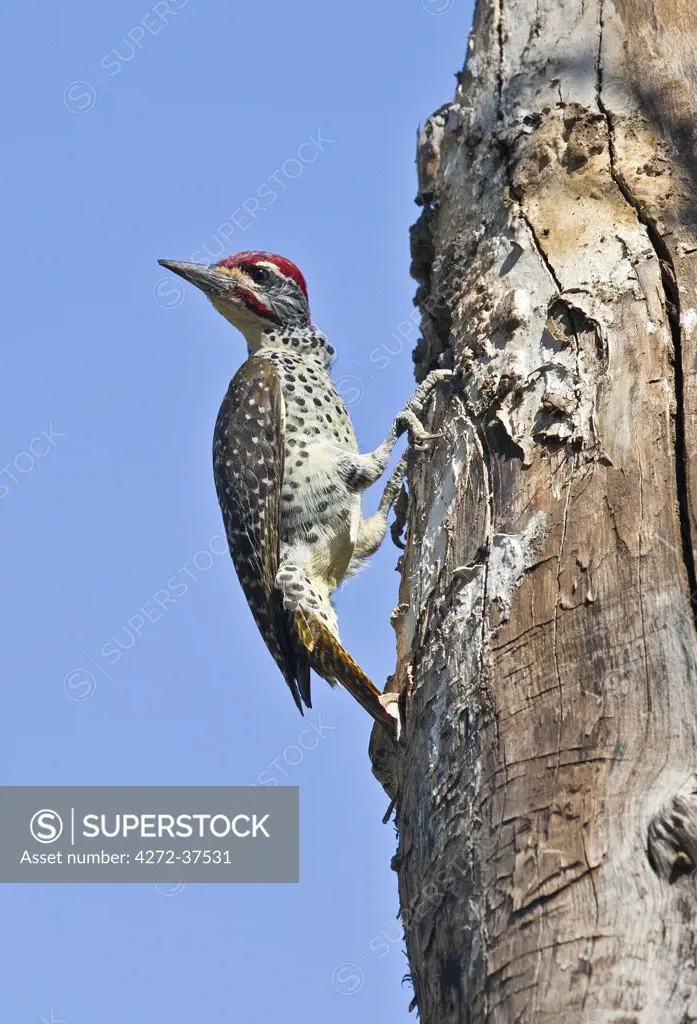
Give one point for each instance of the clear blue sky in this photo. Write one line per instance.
(98, 179)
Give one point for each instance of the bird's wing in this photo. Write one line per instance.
(248, 467)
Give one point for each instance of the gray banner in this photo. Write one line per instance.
(161, 834)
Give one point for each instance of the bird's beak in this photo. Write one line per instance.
(210, 280)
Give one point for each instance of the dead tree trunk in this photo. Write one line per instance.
(547, 652)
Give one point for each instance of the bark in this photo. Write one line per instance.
(546, 800)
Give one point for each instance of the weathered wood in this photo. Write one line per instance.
(547, 653)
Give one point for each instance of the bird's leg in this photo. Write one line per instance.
(372, 529)
(408, 418)
(360, 471)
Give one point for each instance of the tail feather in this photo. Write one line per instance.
(329, 659)
(304, 682)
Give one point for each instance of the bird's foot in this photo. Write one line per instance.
(418, 437)
(410, 418)
(401, 508)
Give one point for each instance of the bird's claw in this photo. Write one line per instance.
(422, 442)
(416, 406)
(401, 508)
(396, 535)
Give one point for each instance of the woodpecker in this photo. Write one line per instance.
(289, 475)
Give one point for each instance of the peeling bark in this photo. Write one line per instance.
(545, 787)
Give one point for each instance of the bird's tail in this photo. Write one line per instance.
(329, 659)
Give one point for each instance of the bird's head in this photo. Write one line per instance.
(252, 290)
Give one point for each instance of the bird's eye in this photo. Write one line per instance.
(259, 275)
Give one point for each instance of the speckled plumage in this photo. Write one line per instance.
(280, 441)
(289, 475)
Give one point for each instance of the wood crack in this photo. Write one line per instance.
(557, 605)
(506, 150)
(595, 933)
(539, 902)
(671, 302)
